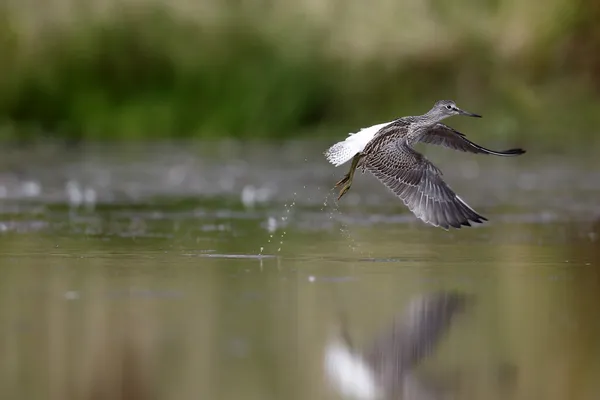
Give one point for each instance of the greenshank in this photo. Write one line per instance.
(386, 150)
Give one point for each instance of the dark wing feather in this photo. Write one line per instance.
(414, 335)
(444, 135)
(417, 182)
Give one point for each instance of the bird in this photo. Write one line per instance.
(385, 367)
(386, 150)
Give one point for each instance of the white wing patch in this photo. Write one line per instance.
(342, 152)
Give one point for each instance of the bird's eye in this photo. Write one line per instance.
(449, 107)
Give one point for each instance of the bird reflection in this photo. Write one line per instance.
(385, 369)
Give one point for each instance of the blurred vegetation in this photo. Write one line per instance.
(148, 69)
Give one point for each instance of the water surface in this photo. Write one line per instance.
(216, 270)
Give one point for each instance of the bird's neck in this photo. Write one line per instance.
(429, 119)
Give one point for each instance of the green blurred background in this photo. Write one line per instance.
(158, 69)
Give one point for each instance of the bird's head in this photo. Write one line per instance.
(447, 108)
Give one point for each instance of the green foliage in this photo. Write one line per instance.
(148, 73)
(152, 77)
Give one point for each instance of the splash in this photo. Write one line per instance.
(335, 214)
(285, 219)
(273, 224)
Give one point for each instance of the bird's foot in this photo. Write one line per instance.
(344, 190)
(342, 181)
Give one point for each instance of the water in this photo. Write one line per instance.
(216, 270)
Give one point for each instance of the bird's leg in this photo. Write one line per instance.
(343, 180)
(347, 179)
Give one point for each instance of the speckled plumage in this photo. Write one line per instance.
(389, 156)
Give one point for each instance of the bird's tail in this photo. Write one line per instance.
(340, 153)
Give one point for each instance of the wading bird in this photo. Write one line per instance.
(386, 150)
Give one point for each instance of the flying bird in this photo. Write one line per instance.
(386, 150)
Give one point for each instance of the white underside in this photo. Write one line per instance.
(348, 373)
(343, 151)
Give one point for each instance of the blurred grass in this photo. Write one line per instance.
(144, 69)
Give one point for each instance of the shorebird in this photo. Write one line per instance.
(385, 368)
(386, 150)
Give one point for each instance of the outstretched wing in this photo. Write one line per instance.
(444, 135)
(418, 183)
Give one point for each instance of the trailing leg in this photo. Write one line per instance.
(347, 179)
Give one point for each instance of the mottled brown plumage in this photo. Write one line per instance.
(389, 156)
